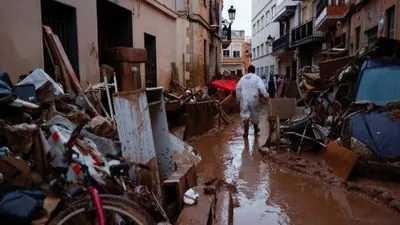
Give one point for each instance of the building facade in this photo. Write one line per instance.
(201, 23)
(183, 32)
(236, 58)
(262, 28)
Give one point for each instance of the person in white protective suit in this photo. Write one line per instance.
(248, 92)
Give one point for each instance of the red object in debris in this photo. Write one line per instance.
(76, 168)
(56, 136)
(227, 85)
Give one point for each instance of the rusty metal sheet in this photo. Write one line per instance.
(135, 132)
(159, 125)
(340, 159)
(183, 153)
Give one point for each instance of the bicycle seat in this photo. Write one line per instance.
(120, 169)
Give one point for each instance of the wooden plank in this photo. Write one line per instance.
(223, 209)
(125, 54)
(64, 59)
(200, 213)
(56, 59)
(340, 159)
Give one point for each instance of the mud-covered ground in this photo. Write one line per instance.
(384, 193)
(283, 188)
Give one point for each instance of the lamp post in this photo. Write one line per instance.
(227, 30)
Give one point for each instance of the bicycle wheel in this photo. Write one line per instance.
(117, 211)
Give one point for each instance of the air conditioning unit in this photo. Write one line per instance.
(325, 46)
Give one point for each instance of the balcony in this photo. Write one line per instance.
(280, 45)
(284, 12)
(306, 33)
(329, 13)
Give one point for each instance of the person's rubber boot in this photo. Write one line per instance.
(256, 130)
(246, 128)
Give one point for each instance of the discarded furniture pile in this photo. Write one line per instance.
(350, 108)
(124, 146)
(196, 109)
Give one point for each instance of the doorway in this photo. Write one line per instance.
(61, 19)
(114, 26)
(151, 65)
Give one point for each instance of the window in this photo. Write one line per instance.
(379, 85)
(254, 29)
(257, 71)
(266, 70)
(258, 25)
(262, 22)
(266, 48)
(236, 54)
(262, 71)
(273, 11)
(227, 53)
(272, 69)
(390, 23)
(262, 50)
(268, 19)
(358, 37)
(258, 51)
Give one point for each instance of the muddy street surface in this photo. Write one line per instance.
(271, 194)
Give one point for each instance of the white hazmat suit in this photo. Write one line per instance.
(248, 91)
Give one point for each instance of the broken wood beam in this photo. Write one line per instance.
(125, 54)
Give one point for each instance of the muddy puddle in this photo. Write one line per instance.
(271, 194)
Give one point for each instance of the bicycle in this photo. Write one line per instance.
(96, 208)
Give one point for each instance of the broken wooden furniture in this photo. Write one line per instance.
(176, 186)
(126, 62)
(199, 117)
(279, 109)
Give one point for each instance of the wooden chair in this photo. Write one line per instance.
(279, 109)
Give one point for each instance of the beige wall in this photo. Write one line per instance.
(163, 27)
(182, 55)
(21, 46)
(21, 37)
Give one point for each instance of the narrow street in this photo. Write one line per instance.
(268, 194)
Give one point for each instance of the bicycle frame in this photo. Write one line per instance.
(93, 191)
(95, 198)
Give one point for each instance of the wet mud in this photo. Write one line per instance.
(268, 192)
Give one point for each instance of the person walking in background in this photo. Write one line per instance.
(265, 79)
(271, 85)
(248, 92)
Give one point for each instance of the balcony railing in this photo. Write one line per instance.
(305, 31)
(280, 43)
(322, 4)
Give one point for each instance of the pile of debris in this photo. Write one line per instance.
(197, 103)
(351, 109)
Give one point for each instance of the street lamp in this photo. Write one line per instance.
(226, 31)
(232, 13)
